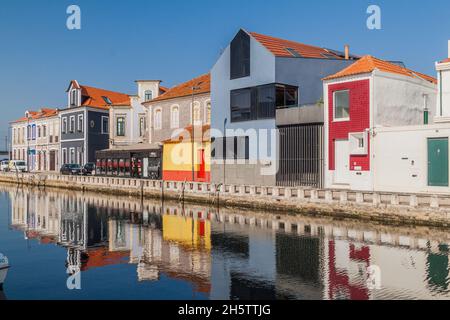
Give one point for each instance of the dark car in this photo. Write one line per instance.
(71, 169)
(89, 169)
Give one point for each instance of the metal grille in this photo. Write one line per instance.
(301, 156)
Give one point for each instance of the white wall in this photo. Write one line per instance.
(400, 159)
(398, 100)
(444, 78)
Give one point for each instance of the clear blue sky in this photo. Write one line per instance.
(174, 40)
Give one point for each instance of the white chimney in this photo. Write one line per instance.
(347, 51)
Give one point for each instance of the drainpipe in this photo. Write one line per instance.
(425, 109)
(440, 92)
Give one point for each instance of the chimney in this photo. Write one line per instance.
(347, 51)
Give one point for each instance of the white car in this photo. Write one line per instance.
(17, 166)
(4, 165)
(4, 266)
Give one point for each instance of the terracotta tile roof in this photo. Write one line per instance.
(287, 48)
(93, 97)
(203, 83)
(127, 103)
(445, 60)
(35, 115)
(368, 64)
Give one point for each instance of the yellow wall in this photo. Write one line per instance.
(186, 231)
(178, 156)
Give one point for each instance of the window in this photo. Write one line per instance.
(80, 123)
(33, 132)
(105, 125)
(175, 117)
(142, 126)
(240, 56)
(358, 143)
(64, 156)
(158, 119)
(120, 126)
(72, 124)
(286, 96)
(107, 100)
(38, 131)
(237, 148)
(341, 105)
(72, 155)
(241, 105)
(261, 102)
(208, 113)
(148, 95)
(64, 125)
(74, 98)
(197, 113)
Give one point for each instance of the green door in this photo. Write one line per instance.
(438, 162)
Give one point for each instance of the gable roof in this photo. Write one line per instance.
(368, 64)
(35, 115)
(95, 97)
(291, 49)
(202, 83)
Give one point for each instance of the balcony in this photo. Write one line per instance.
(291, 115)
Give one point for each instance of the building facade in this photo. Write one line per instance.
(267, 97)
(35, 139)
(360, 100)
(85, 122)
(183, 111)
(47, 141)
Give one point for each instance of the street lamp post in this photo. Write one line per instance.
(194, 88)
(224, 152)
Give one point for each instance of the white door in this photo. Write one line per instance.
(341, 162)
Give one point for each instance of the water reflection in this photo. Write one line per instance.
(229, 254)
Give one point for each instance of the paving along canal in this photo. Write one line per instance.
(125, 249)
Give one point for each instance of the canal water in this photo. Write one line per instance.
(69, 245)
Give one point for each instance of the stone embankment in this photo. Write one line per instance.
(393, 208)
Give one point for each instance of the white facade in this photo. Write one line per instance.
(128, 123)
(401, 158)
(19, 141)
(443, 101)
(47, 144)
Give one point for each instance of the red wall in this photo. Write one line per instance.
(169, 175)
(359, 120)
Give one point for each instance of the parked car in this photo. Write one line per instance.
(17, 166)
(71, 169)
(89, 169)
(4, 165)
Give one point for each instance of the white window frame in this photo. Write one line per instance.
(72, 121)
(70, 155)
(124, 117)
(158, 122)
(64, 125)
(64, 156)
(80, 127)
(103, 131)
(208, 119)
(174, 123)
(334, 106)
(354, 138)
(142, 125)
(195, 106)
(145, 95)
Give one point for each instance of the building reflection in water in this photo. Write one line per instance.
(229, 255)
